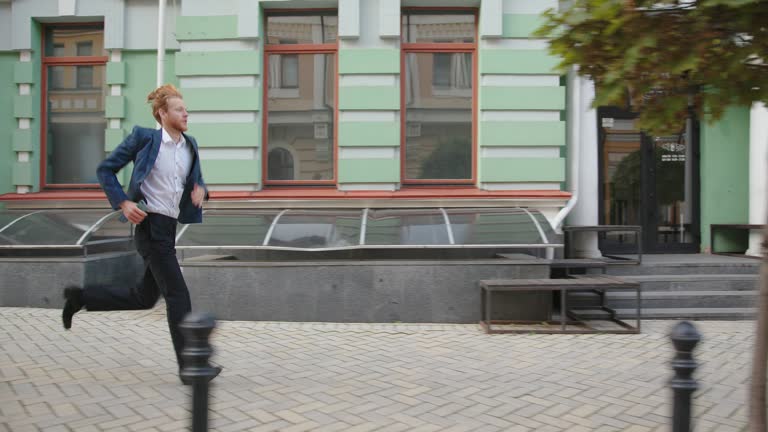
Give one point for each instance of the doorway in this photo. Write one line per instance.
(651, 181)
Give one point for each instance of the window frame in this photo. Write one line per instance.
(298, 49)
(438, 48)
(45, 62)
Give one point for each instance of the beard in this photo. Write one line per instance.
(178, 124)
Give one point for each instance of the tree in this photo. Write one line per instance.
(668, 59)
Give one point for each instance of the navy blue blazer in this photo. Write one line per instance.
(141, 148)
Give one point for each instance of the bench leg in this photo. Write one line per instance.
(485, 309)
(601, 293)
(639, 307)
(482, 307)
(562, 309)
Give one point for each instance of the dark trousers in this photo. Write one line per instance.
(156, 243)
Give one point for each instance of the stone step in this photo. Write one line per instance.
(655, 269)
(681, 313)
(670, 299)
(696, 282)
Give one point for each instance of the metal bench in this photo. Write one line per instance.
(598, 284)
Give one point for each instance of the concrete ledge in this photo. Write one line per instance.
(38, 282)
(435, 291)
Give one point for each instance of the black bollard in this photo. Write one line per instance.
(684, 337)
(197, 372)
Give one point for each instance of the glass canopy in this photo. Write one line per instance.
(52, 228)
(338, 229)
(293, 229)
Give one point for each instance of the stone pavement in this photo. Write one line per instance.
(115, 372)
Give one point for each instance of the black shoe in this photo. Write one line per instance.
(74, 303)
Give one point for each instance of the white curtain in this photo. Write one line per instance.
(411, 78)
(461, 70)
(274, 71)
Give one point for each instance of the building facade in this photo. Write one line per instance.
(367, 103)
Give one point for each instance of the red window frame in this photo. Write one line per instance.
(408, 48)
(328, 48)
(47, 61)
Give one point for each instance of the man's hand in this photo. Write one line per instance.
(198, 194)
(132, 212)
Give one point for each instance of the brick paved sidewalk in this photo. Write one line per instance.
(115, 372)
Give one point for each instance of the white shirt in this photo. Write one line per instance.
(164, 185)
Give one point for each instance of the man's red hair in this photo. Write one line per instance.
(159, 99)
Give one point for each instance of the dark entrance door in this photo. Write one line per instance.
(651, 181)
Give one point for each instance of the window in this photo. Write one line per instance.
(439, 55)
(441, 70)
(452, 73)
(284, 69)
(300, 105)
(85, 48)
(280, 164)
(74, 85)
(56, 76)
(289, 71)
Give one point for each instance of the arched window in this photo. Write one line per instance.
(280, 164)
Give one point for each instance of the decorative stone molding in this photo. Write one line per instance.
(23, 75)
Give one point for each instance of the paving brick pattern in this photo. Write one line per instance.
(115, 372)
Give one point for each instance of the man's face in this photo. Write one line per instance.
(175, 116)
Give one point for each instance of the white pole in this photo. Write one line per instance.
(574, 158)
(758, 144)
(574, 142)
(586, 212)
(160, 42)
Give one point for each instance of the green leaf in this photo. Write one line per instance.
(674, 50)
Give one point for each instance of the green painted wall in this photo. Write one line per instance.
(365, 61)
(517, 61)
(32, 170)
(7, 122)
(206, 27)
(522, 98)
(228, 171)
(369, 134)
(141, 68)
(523, 133)
(523, 170)
(226, 134)
(520, 25)
(218, 63)
(369, 170)
(511, 97)
(222, 99)
(369, 98)
(725, 177)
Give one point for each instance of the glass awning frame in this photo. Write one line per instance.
(403, 228)
(545, 243)
(82, 241)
